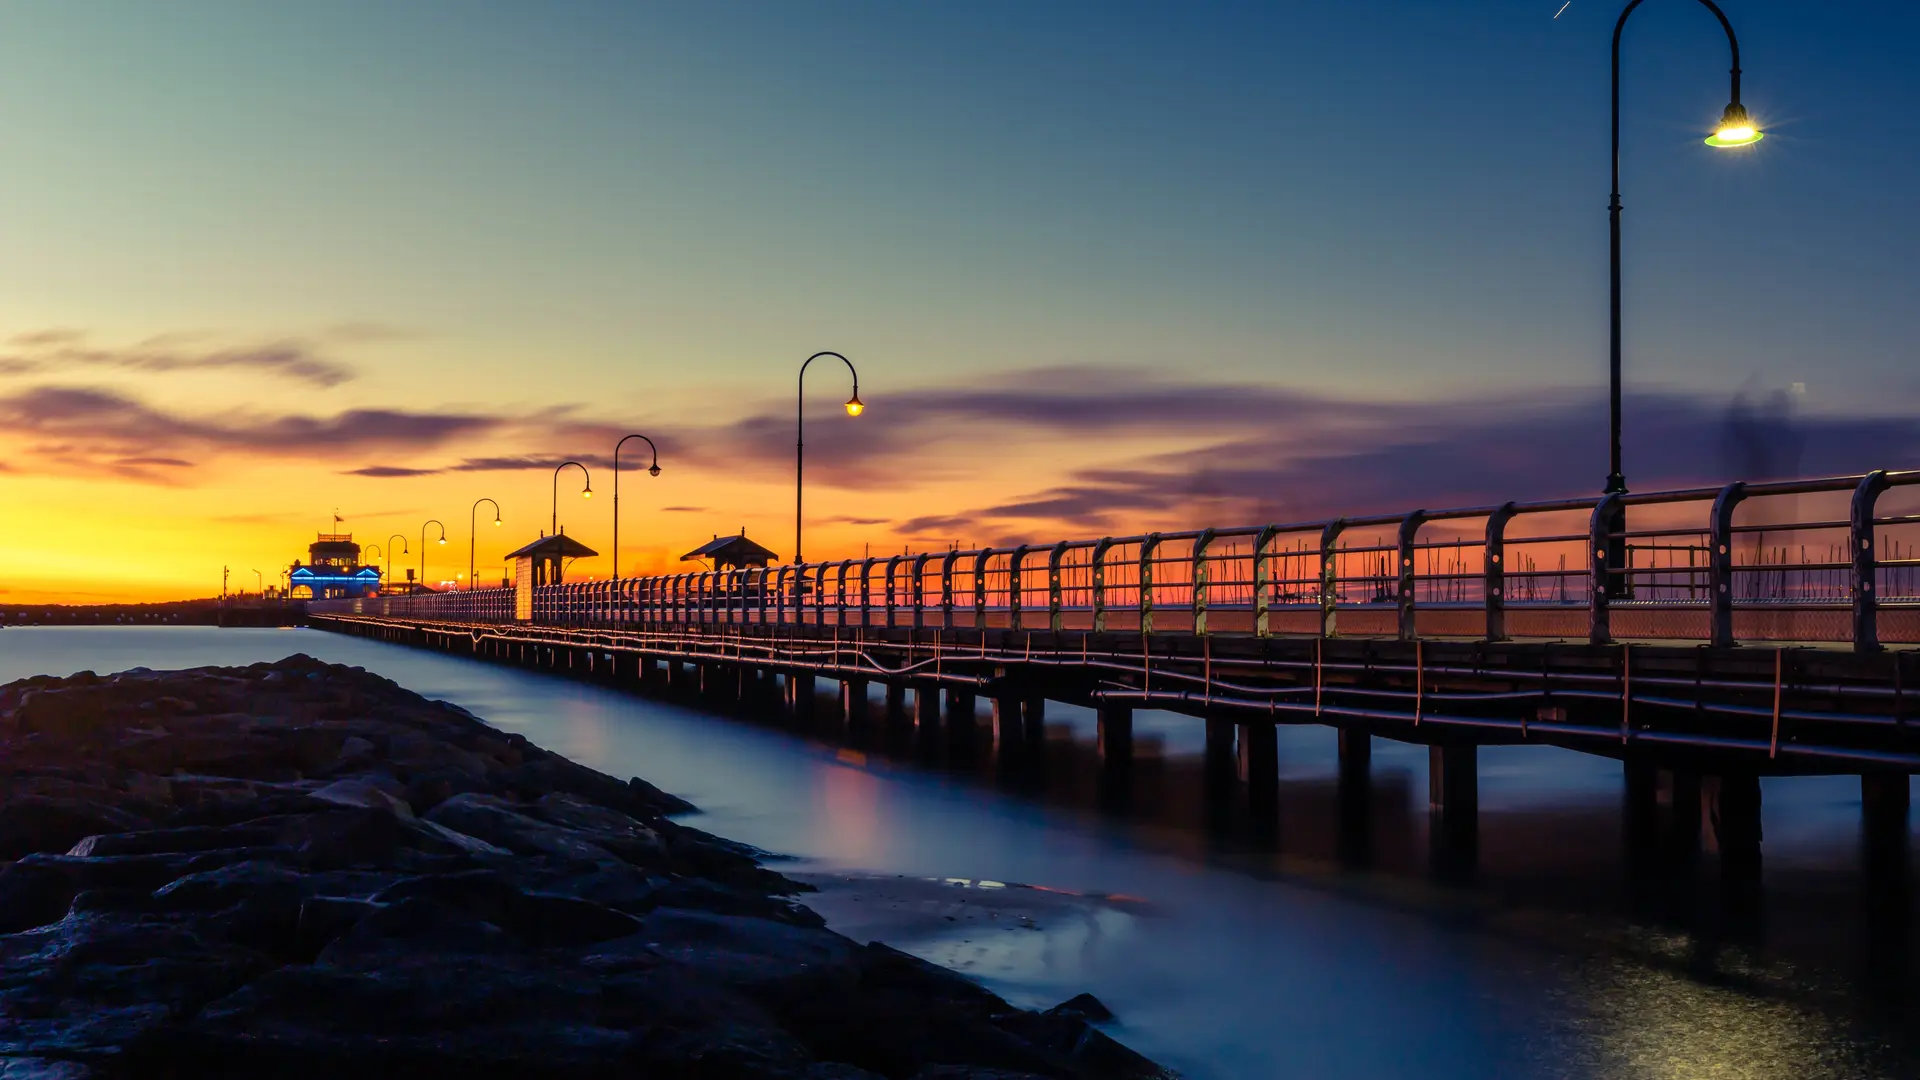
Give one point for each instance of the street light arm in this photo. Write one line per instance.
(654, 469)
(557, 469)
(473, 540)
(799, 434)
(1733, 46)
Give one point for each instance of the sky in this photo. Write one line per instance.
(1102, 267)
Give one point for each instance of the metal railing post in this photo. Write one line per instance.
(1097, 564)
(1720, 564)
(1495, 572)
(946, 588)
(980, 588)
(1202, 577)
(780, 594)
(1866, 601)
(893, 567)
(866, 591)
(1148, 547)
(1263, 582)
(1330, 577)
(1014, 599)
(840, 593)
(1599, 577)
(920, 590)
(1407, 579)
(1056, 620)
(820, 595)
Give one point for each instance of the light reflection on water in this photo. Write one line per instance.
(1242, 959)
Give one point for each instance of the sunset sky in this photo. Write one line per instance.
(1103, 266)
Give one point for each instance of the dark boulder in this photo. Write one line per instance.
(501, 822)
(30, 823)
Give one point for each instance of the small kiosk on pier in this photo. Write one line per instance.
(540, 564)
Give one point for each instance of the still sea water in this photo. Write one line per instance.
(1325, 950)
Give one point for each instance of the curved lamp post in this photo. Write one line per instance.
(652, 470)
(472, 539)
(259, 584)
(403, 550)
(854, 408)
(1736, 128)
(585, 493)
(423, 547)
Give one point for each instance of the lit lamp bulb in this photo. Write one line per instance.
(443, 541)
(1736, 129)
(587, 494)
(855, 406)
(496, 523)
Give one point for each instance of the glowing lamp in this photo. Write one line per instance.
(587, 494)
(1736, 129)
(443, 541)
(855, 406)
(496, 523)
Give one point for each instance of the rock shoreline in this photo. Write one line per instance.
(305, 870)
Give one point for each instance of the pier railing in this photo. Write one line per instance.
(1824, 560)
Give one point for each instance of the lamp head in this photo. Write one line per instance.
(587, 492)
(653, 470)
(855, 406)
(443, 540)
(496, 523)
(1736, 129)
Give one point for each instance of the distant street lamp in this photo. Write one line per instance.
(653, 470)
(585, 493)
(403, 551)
(259, 584)
(472, 539)
(854, 408)
(423, 547)
(1736, 129)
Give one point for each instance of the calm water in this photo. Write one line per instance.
(1319, 953)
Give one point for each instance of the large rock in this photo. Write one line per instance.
(30, 823)
(500, 822)
(300, 870)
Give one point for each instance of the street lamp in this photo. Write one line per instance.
(471, 539)
(585, 493)
(1736, 129)
(259, 584)
(403, 551)
(854, 408)
(423, 547)
(652, 470)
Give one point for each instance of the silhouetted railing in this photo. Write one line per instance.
(1807, 560)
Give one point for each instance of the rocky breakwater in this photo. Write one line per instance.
(305, 870)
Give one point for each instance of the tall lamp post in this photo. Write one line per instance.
(388, 580)
(854, 408)
(1736, 129)
(472, 540)
(259, 585)
(423, 548)
(585, 492)
(652, 470)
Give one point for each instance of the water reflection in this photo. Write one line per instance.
(1327, 937)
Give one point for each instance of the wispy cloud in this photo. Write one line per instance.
(387, 472)
(62, 351)
(78, 425)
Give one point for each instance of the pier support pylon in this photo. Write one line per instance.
(960, 725)
(1259, 767)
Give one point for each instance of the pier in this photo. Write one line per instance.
(1684, 646)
